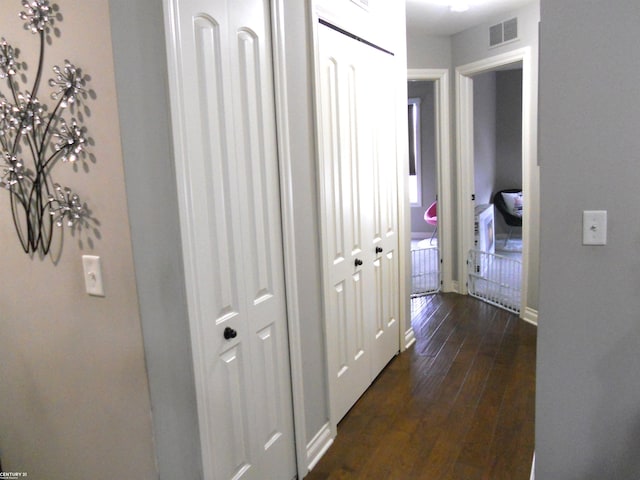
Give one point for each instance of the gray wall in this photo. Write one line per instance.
(484, 135)
(140, 67)
(74, 395)
(428, 51)
(588, 389)
(508, 129)
(424, 90)
(473, 44)
(508, 136)
(497, 116)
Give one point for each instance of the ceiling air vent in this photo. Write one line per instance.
(510, 29)
(506, 31)
(495, 35)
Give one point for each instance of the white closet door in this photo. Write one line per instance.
(356, 186)
(223, 101)
(384, 231)
(346, 258)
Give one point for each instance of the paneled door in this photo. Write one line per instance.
(348, 263)
(227, 171)
(358, 210)
(384, 200)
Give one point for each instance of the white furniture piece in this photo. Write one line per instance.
(484, 228)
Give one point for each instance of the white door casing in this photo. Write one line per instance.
(227, 172)
(440, 77)
(358, 187)
(464, 129)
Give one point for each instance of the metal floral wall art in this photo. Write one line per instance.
(35, 137)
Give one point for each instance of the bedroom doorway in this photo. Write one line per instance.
(495, 181)
(423, 188)
(431, 243)
(495, 262)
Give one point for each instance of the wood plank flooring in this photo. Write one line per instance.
(459, 404)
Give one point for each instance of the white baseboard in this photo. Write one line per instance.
(530, 315)
(455, 286)
(409, 338)
(318, 445)
(533, 467)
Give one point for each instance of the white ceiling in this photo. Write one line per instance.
(433, 17)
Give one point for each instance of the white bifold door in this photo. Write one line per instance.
(227, 171)
(358, 184)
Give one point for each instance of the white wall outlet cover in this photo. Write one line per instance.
(594, 227)
(93, 275)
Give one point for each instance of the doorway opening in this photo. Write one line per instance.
(495, 261)
(494, 139)
(431, 241)
(423, 188)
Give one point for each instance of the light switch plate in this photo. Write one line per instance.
(594, 227)
(93, 275)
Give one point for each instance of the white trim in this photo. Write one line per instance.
(409, 338)
(464, 169)
(404, 212)
(464, 133)
(318, 446)
(179, 145)
(530, 315)
(288, 232)
(443, 165)
(533, 467)
(315, 16)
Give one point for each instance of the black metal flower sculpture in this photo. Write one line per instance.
(32, 140)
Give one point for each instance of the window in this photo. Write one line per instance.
(415, 190)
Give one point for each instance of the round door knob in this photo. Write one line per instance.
(229, 333)
(378, 249)
(358, 262)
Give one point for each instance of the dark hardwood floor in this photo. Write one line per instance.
(458, 404)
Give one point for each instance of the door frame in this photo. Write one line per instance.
(285, 165)
(465, 160)
(440, 77)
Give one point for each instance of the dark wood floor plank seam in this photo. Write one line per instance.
(463, 414)
(438, 327)
(465, 403)
(471, 448)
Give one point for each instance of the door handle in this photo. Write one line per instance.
(229, 333)
(358, 262)
(378, 249)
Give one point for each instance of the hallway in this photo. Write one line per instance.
(458, 404)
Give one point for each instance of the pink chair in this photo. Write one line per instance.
(431, 217)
